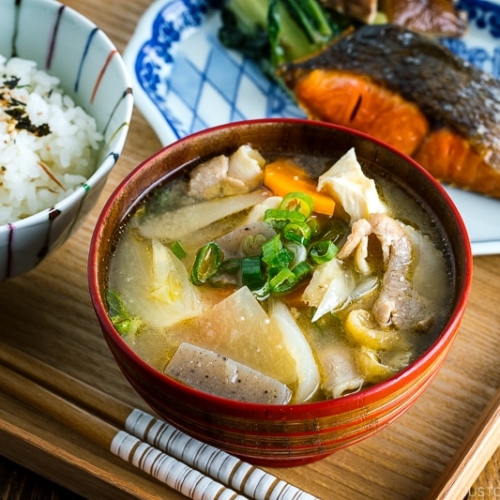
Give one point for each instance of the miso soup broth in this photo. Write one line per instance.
(275, 279)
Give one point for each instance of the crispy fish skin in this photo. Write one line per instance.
(450, 92)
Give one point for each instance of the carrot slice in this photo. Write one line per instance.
(283, 176)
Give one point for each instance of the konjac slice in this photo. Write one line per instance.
(219, 375)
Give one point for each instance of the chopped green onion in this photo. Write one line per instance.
(270, 248)
(177, 249)
(230, 266)
(323, 251)
(337, 232)
(298, 202)
(207, 263)
(252, 244)
(275, 255)
(251, 273)
(262, 293)
(283, 281)
(299, 252)
(301, 271)
(314, 225)
(299, 232)
(278, 218)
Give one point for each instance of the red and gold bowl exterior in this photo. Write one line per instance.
(274, 435)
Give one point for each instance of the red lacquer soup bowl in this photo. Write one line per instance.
(293, 434)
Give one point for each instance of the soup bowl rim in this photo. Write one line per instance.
(317, 408)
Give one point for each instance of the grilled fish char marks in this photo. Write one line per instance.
(460, 102)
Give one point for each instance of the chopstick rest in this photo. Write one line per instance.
(137, 436)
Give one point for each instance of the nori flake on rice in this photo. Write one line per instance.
(48, 145)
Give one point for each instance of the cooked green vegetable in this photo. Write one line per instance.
(178, 249)
(207, 263)
(297, 231)
(278, 218)
(312, 18)
(323, 251)
(121, 319)
(251, 273)
(272, 265)
(244, 28)
(283, 281)
(302, 270)
(298, 202)
(275, 31)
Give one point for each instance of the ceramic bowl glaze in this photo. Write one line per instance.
(270, 434)
(66, 45)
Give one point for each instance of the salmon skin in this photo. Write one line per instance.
(413, 93)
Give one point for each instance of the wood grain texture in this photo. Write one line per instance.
(48, 314)
(472, 455)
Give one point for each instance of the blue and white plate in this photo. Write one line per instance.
(185, 80)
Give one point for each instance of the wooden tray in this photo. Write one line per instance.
(47, 313)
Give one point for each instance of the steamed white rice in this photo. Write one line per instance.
(37, 170)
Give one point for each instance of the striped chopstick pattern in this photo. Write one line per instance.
(228, 469)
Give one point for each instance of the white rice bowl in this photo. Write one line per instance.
(37, 170)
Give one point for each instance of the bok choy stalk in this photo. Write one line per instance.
(276, 31)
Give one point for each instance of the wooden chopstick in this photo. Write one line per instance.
(125, 430)
(471, 457)
(179, 476)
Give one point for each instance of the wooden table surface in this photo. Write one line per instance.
(47, 313)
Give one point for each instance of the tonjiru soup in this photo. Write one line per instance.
(280, 279)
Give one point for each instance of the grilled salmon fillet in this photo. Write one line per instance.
(412, 92)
